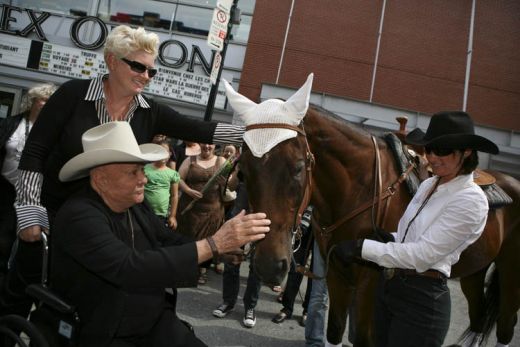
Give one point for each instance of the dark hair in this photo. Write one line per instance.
(470, 163)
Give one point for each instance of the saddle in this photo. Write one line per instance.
(496, 196)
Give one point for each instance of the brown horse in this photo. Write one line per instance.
(340, 158)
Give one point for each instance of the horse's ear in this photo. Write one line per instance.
(299, 101)
(238, 102)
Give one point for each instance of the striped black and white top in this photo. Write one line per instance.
(28, 203)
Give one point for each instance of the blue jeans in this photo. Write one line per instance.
(318, 303)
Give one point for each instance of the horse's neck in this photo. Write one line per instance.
(344, 174)
(344, 160)
(343, 143)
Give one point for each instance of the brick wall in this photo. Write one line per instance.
(422, 57)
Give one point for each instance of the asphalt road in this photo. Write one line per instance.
(196, 304)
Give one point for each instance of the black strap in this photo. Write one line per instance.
(421, 207)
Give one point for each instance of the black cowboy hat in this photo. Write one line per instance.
(452, 130)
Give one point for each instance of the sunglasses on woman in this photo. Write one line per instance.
(136, 66)
(440, 152)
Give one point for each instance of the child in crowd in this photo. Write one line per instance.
(162, 189)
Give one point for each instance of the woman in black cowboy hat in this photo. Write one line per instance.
(447, 214)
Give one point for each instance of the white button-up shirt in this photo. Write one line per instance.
(453, 219)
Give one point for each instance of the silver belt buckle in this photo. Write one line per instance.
(388, 273)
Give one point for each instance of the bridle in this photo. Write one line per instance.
(309, 164)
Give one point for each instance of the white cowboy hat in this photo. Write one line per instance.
(112, 142)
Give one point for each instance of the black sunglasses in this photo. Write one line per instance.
(140, 68)
(440, 152)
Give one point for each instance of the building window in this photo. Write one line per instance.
(240, 33)
(66, 7)
(193, 20)
(188, 16)
(148, 13)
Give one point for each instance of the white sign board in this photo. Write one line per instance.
(225, 5)
(218, 29)
(73, 62)
(217, 61)
(14, 50)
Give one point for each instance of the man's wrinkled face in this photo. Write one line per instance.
(121, 184)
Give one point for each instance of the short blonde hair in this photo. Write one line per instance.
(39, 91)
(124, 40)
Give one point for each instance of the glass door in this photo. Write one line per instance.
(10, 99)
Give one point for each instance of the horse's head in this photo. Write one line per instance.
(276, 165)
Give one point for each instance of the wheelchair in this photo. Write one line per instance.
(53, 323)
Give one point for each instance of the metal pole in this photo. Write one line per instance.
(284, 42)
(214, 87)
(469, 56)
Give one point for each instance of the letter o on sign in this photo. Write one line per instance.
(76, 26)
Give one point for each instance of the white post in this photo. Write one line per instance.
(379, 33)
(284, 42)
(469, 55)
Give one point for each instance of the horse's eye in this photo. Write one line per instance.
(299, 168)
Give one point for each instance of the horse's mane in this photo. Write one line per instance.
(344, 125)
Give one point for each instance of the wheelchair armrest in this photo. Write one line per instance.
(48, 297)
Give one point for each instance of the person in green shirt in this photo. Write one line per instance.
(162, 189)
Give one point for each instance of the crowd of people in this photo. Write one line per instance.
(149, 205)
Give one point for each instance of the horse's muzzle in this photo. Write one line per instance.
(271, 271)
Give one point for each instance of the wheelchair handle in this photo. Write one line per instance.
(45, 262)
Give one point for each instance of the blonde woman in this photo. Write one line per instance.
(13, 135)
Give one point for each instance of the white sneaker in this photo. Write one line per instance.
(222, 310)
(250, 318)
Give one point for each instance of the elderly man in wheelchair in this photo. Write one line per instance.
(113, 260)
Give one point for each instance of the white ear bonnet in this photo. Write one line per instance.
(292, 111)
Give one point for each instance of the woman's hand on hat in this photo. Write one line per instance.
(241, 229)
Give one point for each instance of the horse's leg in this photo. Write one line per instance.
(473, 289)
(340, 296)
(509, 282)
(509, 305)
(363, 318)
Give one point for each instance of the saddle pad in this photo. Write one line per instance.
(496, 196)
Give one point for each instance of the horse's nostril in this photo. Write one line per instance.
(282, 266)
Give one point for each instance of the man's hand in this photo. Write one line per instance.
(240, 230)
(349, 250)
(32, 233)
(383, 235)
(236, 232)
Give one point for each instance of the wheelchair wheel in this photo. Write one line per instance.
(12, 326)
